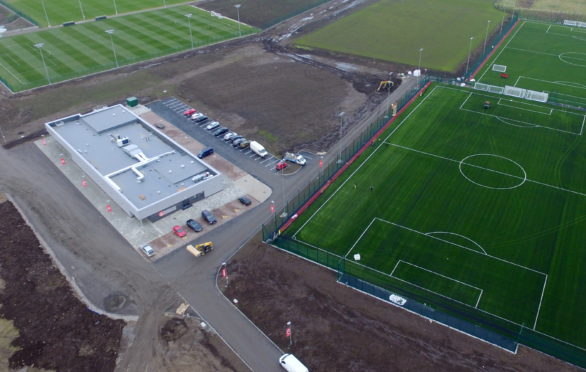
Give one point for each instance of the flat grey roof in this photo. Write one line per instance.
(147, 169)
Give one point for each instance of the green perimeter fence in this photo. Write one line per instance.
(480, 324)
(18, 12)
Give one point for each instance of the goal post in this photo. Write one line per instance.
(499, 68)
(514, 91)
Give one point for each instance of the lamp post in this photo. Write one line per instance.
(40, 47)
(469, 50)
(81, 9)
(502, 22)
(341, 116)
(46, 15)
(111, 33)
(190, 34)
(237, 6)
(485, 37)
(420, 53)
(115, 7)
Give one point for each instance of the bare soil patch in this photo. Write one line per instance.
(56, 330)
(338, 329)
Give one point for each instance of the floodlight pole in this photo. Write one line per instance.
(485, 37)
(237, 6)
(283, 191)
(502, 22)
(190, 34)
(46, 15)
(40, 47)
(418, 77)
(469, 50)
(111, 33)
(115, 7)
(81, 9)
(164, 3)
(341, 115)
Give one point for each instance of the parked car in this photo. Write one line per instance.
(189, 112)
(148, 250)
(212, 125)
(235, 138)
(205, 152)
(238, 141)
(230, 135)
(244, 144)
(200, 120)
(196, 115)
(209, 217)
(179, 231)
(244, 200)
(281, 165)
(194, 225)
(219, 131)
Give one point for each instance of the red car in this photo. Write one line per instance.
(281, 165)
(178, 230)
(189, 112)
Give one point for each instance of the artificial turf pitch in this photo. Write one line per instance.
(395, 30)
(86, 48)
(557, 56)
(469, 205)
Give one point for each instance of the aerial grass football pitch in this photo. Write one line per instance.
(394, 30)
(484, 209)
(61, 11)
(543, 57)
(83, 49)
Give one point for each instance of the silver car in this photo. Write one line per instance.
(148, 250)
(229, 135)
(212, 125)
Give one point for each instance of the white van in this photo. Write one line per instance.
(258, 149)
(292, 364)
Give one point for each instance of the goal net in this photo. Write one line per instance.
(480, 86)
(499, 68)
(568, 22)
(536, 96)
(514, 91)
(489, 88)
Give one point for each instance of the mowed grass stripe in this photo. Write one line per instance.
(199, 27)
(24, 54)
(92, 38)
(124, 49)
(148, 39)
(63, 56)
(166, 34)
(16, 65)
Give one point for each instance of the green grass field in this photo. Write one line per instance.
(558, 61)
(483, 208)
(83, 49)
(60, 11)
(394, 30)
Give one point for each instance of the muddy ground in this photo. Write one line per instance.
(339, 329)
(43, 324)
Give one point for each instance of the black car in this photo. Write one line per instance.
(221, 130)
(194, 225)
(244, 200)
(208, 216)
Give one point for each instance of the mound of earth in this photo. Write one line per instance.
(56, 330)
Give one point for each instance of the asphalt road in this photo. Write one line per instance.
(101, 262)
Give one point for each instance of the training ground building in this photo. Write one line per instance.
(145, 172)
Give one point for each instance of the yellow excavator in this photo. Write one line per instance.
(200, 249)
(385, 84)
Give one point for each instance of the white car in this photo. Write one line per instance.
(229, 135)
(212, 125)
(196, 115)
(148, 250)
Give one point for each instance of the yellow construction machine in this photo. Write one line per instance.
(200, 249)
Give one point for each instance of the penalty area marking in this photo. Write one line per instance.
(431, 233)
(523, 179)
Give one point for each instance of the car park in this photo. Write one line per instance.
(201, 119)
(194, 225)
(281, 165)
(179, 231)
(209, 217)
(244, 144)
(230, 135)
(148, 250)
(219, 131)
(212, 125)
(189, 112)
(245, 200)
(205, 152)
